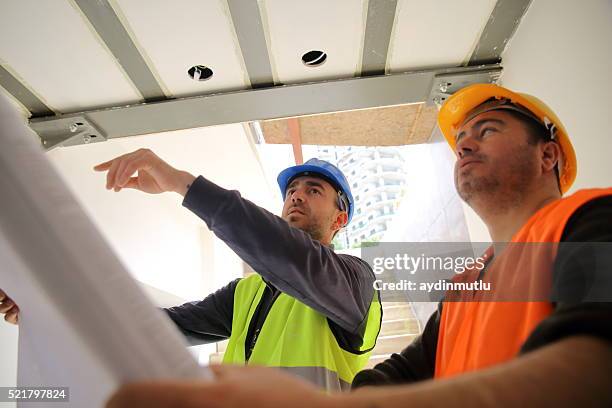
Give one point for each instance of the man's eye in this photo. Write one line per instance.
(487, 131)
(314, 190)
(289, 192)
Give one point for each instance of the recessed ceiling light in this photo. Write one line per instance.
(200, 72)
(314, 58)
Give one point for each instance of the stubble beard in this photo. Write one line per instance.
(315, 228)
(315, 231)
(498, 190)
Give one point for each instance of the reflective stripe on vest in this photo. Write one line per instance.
(297, 338)
(475, 335)
(321, 377)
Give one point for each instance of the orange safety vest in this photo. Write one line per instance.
(475, 335)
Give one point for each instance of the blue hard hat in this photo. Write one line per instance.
(324, 170)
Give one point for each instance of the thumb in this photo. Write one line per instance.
(132, 183)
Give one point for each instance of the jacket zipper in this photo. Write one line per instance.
(258, 321)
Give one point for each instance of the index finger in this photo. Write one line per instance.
(223, 371)
(103, 166)
(236, 371)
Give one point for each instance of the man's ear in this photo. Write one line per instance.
(550, 154)
(341, 220)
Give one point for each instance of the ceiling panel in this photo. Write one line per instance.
(388, 126)
(52, 48)
(295, 27)
(436, 32)
(186, 33)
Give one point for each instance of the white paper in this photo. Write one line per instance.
(84, 322)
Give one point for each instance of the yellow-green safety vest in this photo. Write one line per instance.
(297, 338)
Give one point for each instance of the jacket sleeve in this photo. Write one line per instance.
(416, 362)
(208, 320)
(336, 285)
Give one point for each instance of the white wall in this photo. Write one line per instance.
(162, 243)
(562, 53)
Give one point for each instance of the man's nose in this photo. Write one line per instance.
(297, 195)
(465, 146)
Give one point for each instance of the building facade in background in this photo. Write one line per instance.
(377, 176)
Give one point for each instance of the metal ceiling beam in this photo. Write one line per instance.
(502, 25)
(20, 92)
(258, 104)
(104, 20)
(379, 25)
(246, 17)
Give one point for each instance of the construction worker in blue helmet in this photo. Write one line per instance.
(307, 309)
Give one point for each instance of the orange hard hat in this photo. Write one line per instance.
(456, 109)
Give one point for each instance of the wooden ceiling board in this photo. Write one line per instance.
(389, 126)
